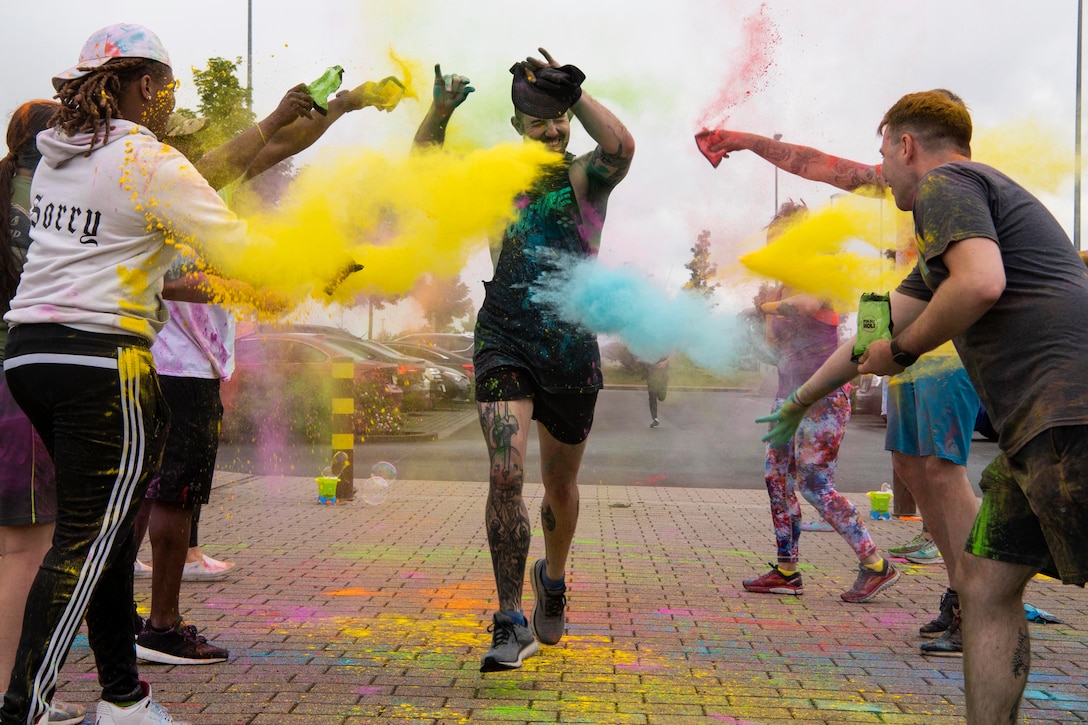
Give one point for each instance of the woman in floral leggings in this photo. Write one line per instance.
(804, 332)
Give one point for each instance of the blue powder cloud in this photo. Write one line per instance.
(650, 321)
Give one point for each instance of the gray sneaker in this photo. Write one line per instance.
(511, 644)
(916, 544)
(950, 643)
(928, 554)
(550, 610)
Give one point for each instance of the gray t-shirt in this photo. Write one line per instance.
(1027, 354)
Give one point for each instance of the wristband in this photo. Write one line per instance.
(902, 357)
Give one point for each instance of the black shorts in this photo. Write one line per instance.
(568, 417)
(1035, 506)
(188, 463)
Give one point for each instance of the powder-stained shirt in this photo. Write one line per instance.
(803, 343)
(512, 330)
(1026, 354)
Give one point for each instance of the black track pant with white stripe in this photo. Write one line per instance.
(96, 403)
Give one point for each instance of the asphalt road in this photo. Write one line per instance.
(705, 440)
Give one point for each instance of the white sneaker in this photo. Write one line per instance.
(206, 569)
(144, 712)
(141, 570)
(63, 713)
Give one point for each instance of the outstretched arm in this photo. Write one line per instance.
(305, 130)
(450, 91)
(227, 162)
(803, 161)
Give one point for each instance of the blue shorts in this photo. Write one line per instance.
(932, 412)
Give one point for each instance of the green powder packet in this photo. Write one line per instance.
(874, 321)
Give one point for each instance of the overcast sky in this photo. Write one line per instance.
(832, 67)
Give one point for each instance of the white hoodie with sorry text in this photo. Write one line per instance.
(104, 226)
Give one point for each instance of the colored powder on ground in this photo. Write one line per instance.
(813, 256)
(748, 70)
(400, 217)
(649, 320)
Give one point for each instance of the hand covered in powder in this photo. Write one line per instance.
(563, 82)
(717, 144)
(784, 422)
(450, 91)
(296, 103)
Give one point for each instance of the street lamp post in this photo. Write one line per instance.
(1076, 136)
(777, 137)
(249, 52)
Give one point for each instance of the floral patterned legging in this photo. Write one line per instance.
(808, 463)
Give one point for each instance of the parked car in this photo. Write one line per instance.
(868, 397)
(457, 342)
(284, 381)
(446, 383)
(435, 354)
(424, 382)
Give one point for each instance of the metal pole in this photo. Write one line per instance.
(777, 137)
(249, 55)
(1076, 136)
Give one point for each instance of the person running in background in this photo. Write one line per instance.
(530, 366)
(657, 386)
(805, 332)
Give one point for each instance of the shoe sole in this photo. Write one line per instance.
(538, 588)
(491, 664)
(924, 562)
(151, 655)
(930, 635)
(774, 590)
(950, 654)
(872, 595)
(216, 576)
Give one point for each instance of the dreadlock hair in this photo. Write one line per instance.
(89, 103)
(28, 120)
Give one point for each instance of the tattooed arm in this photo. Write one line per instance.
(607, 164)
(803, 161)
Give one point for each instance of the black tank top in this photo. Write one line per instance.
(511, 329)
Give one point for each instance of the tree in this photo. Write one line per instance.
(701, 268)
(226, 106)
(443, 300)
(223, 101)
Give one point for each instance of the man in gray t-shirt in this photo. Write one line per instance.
(998, 276)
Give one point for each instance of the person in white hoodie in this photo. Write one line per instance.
(108, 202)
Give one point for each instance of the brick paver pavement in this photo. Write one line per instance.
(376, 614)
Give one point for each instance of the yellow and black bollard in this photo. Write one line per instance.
(343, 426)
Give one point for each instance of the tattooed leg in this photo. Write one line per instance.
(505, 428)
(559, 507)
(997, 648)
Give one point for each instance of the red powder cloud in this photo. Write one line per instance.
(748, 72)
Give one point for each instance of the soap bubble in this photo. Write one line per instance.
(374, 490)
(386, 470)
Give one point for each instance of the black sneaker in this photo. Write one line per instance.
(949, 600)
(180, 645)
(550, 610)
(950, 643)
(511, 644)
